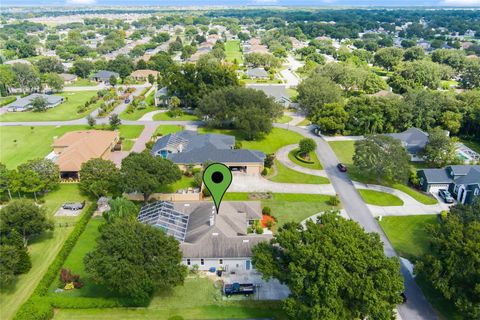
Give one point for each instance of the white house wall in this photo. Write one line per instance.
(229, 264)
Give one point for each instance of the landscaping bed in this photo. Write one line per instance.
(314, 163)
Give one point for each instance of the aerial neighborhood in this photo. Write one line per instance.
(351, 135)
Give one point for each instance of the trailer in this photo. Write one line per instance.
(238, 288)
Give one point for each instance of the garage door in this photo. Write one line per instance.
(435, 187)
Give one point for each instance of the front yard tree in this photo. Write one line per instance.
(388, 57)
(341, 272)
(91, 121)
(54, 81)
(440, 149)
(331, 118)
(382, 157)
(47, 171)
(39, 104)
(99, 177)
(452, 265)
(306, 146)
(315, 92)
(146, 174)
(112, 80)
(114, 121)
(134, 259)
(24, 216)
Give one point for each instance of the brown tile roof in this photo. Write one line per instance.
(78, 147)
(144, 73)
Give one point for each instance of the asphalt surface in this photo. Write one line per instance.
(417, 306)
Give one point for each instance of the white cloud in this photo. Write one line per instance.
(460, 2)
(83, 2)
(264, 1)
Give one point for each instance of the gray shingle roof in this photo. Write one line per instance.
(105, 75)
(278, 92)
(257, 73)
(458, 174)
(26, 101)
(414, 139)
(189, 147)
(437, 176)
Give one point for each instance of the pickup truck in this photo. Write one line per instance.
(238, 288)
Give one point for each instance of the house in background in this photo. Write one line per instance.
(257, 73)
(104, 76)
(77, 147)
(25, 103)
(186, 148)
(161, 97)
(463, 181)
(142, 75)
(276, 91)
(208, 239)
(413, 140)
(68, 78)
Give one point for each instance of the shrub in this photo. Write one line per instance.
(258, 229)
(35, 309)
(269, 224)
(269, 160)
(307, 145)
(238, 145)
(264, 172)
(334, 200)
(267, 211)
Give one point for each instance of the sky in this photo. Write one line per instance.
(245, 2)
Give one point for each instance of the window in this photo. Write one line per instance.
(188, 262)
(202, 262)
(220, 261)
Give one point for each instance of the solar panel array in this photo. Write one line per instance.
(162, 214)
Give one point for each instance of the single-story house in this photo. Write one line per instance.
(207, 239)
(161, 97)
(25, 103)
(77, 147)
(257, 73)
(191, 148)
(68, 78)
(142, 75)
(276, 91)
(463, 181)
(413, 140)
(104, 76)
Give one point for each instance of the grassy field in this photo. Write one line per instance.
(42, 250)
(316, 165)
(7, 100)
(184, 117)
(64, 111)
(345, 150)
(409, 237)
(379, 198)
(163, 130)
(288, 207)
(21, 143)
(131, 131)
(82, 83)
(232, 51)
(287, 175)
(137, 113)
(270, 143)
(183, 183)
(284, 119)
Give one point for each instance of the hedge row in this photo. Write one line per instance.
(299, 158)
(7, 100)
(93, 303)
(35, 307)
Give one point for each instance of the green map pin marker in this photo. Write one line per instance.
(217, 177)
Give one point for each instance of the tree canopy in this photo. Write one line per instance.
(99, 177)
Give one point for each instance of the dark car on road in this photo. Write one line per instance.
(342, 167)
(445, 195)
(73, 206)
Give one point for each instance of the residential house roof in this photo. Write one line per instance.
(68, 76)
(257, 73)
(458, 174)
(413, 139)
(105, 75)
(144, 73)
(26, 101)
(278, 92)
(76, 147)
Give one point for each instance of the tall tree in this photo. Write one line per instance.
(121, 208)
(331, 118)
(134, 259)
(54, 81)
(388, 57)
(27, 77)
(316, 91)
(440, 149)
(99, 177)
(47, 171)
(333, 268)
(144, 173)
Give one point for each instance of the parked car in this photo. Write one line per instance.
(73, 206)
(342, 167)
(445, 195)
(127, 100)
(238, 288)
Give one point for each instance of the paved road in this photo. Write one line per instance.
(417, 307)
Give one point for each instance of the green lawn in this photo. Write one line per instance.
(303, 123)
(270, 143)
(183, 183)
(288, 207)
(21, 143)
(165, 117)
(42, 250)
(379, 198)
(409, 238)
(137, 113)
(232, 51)
(287, 175)
(131, 131)
(284, 119)
(345, 150)
(7, 100)
(82, 83)
(313, 158)
(165, 129)
(64, 111)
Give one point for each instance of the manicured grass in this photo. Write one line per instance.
(167, 129)
(7, 100)
(232, 51)
(345, 150)
(270, 143)
(287, 175)
(165, 117)
(42, 250)
(207, 304)
(64, 111)
(183, 183)
(303, 123)
(21, 143)
(379, 198)
(82, 83)
(137, 113)
(284, 119)
(127, 144)
(131, 131)
(313, 158)
(287, 207)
